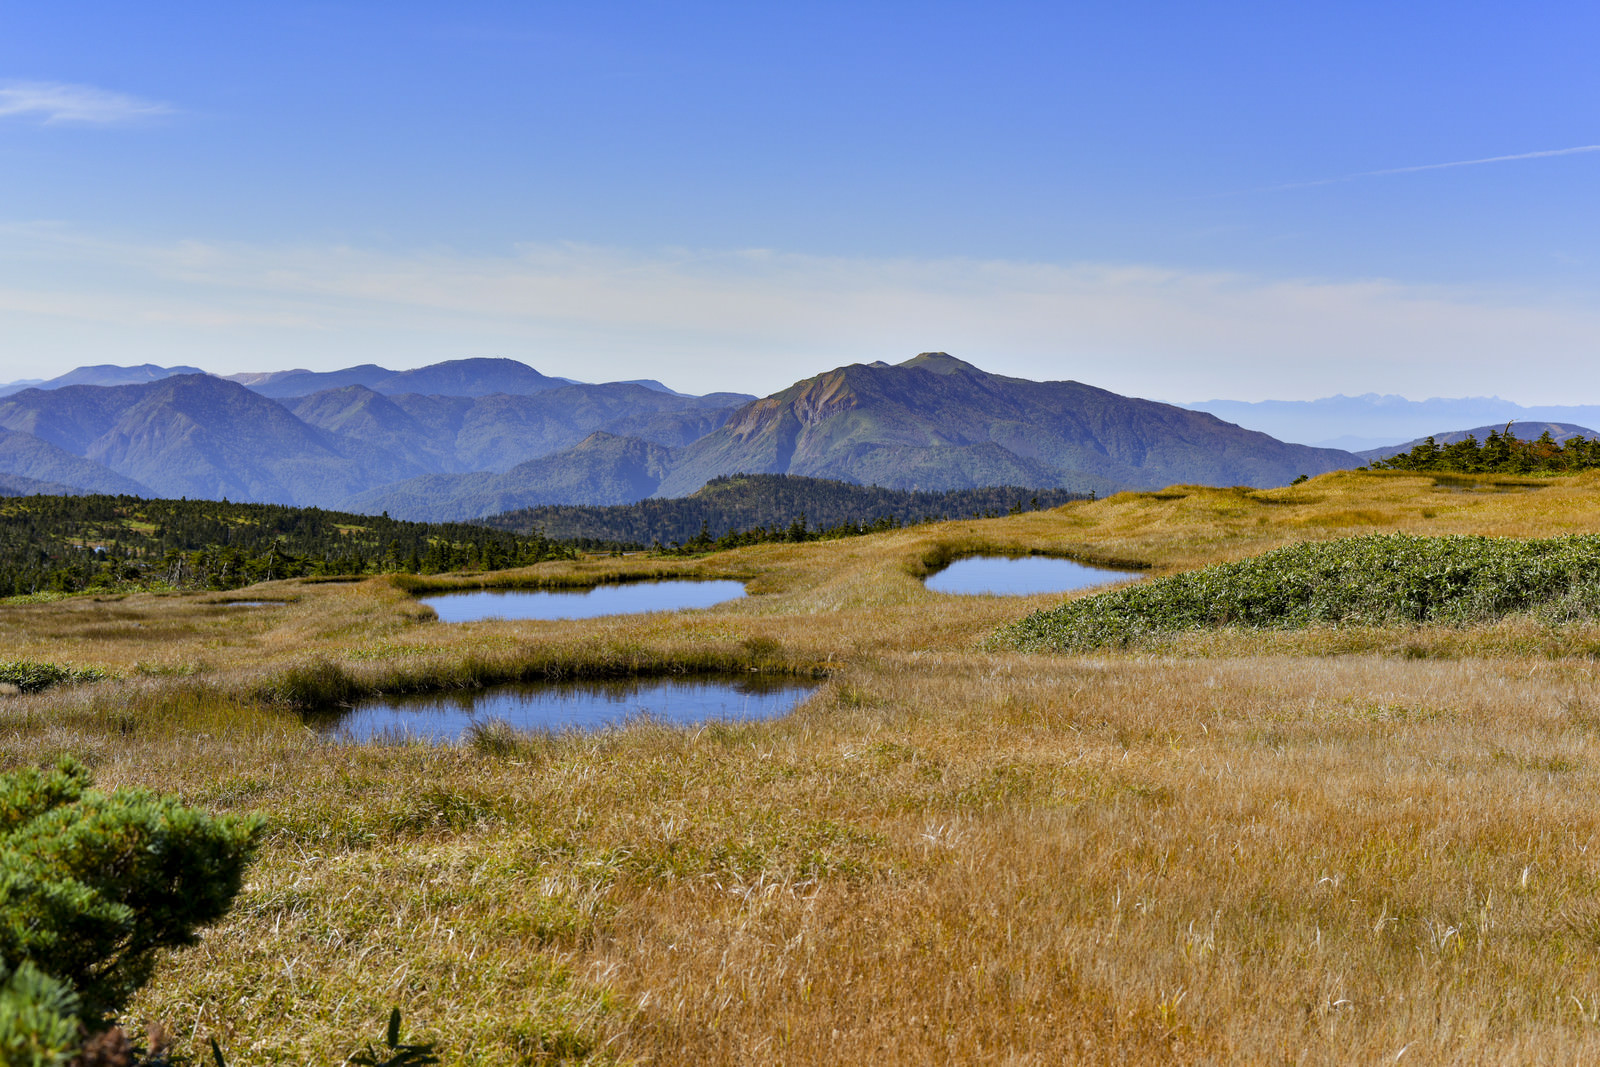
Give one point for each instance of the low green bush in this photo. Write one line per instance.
(1383, 579)
(93, 886)
(30, 676)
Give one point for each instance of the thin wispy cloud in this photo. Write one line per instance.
(53, 103)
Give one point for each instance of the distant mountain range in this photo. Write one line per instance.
(102, 374)
(198, 435)
(459, 377)
(468, 438)
(1372, 421)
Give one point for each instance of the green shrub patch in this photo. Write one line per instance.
(29, 676)
(93, 886)
(1378, 580)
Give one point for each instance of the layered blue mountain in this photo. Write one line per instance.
(202, 436)
(191, 435)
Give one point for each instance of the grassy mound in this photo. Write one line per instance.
(1360, 581)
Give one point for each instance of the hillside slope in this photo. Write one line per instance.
(34, 466)
(601, 469)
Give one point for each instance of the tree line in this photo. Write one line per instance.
(68, 544)
(1499, 453)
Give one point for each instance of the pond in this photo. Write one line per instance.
(615, 599)
(567, 706)
(1003, 576)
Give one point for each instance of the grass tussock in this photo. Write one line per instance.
(1332, 844)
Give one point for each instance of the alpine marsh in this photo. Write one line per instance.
(1323, 845)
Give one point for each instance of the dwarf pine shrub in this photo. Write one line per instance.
(1377, 580)
(30, 676)
(93, 886)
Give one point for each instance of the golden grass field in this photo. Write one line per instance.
(1337, 846)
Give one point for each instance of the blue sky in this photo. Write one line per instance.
(1173, 200)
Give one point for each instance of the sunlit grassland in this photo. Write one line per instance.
(1319, 846)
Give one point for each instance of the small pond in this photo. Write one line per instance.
(567, 706)
(1003, 576)
(615, 599)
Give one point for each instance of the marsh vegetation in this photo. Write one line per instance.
(1322, 844)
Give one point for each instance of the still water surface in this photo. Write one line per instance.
(566, 706)
(616, 599)
(1002, 576)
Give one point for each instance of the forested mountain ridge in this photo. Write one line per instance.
(189, 435)
(22, 455)
(772, 501)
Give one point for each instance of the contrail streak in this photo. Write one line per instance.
(1434, 166)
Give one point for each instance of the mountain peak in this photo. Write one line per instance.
(939, 363)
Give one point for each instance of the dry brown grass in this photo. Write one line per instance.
(1328, 848)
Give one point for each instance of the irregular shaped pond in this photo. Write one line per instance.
(1003, 576)
(567, 706)
(616, 599)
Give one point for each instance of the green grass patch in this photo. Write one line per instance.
(1378, 580)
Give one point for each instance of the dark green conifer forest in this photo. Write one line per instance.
(69, 544)
(742, 509)
(1499, 453)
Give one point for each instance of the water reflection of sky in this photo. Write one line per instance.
(1002, 576)
(567, 706)
(615, 599)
